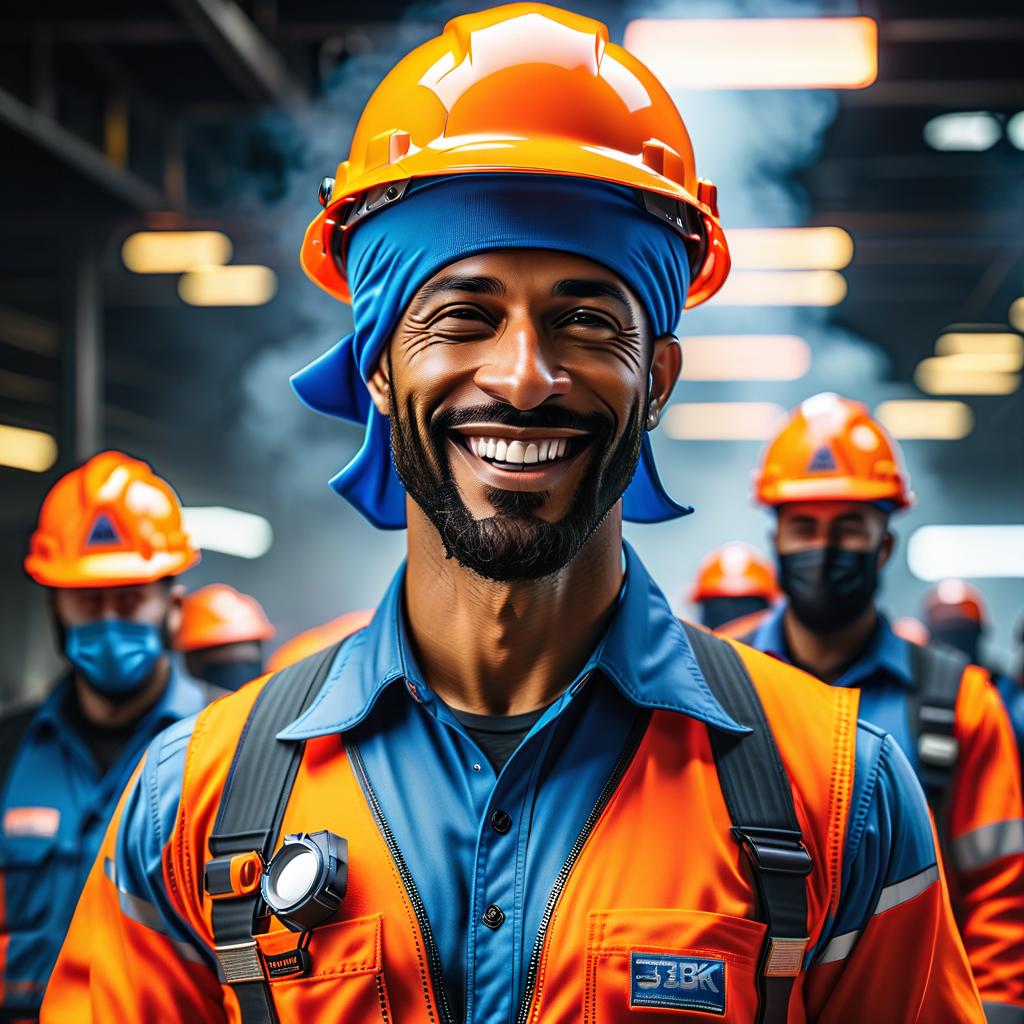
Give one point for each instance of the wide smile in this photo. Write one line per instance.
(519, 459)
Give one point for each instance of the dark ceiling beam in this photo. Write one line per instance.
(241, 50)
(980, 94)
(949, 30)
(85, 158)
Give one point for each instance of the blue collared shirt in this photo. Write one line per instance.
(431, 778)
(438, 795)
(55, 808)
(883, 673)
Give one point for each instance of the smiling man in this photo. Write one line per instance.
(525, 791)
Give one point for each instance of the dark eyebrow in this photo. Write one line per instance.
(591, 289)
(455, 283)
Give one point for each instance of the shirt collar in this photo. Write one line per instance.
(886, 653)
(181, 697)
(644, 652)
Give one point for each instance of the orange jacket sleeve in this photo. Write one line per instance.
(892, 953)
(983, 823)
(128, 956)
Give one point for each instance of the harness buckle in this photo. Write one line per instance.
(938, 749)
(240, 962)
(785, 957)
(772, 849)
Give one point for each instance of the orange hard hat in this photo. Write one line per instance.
(524, 88)
(218, 614)
(957, 598)
(318, 638)
(735, 570)
(832, 450)
(110, 523)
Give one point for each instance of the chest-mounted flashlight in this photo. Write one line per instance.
(305, 881)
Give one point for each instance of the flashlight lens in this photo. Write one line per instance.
(295, 877)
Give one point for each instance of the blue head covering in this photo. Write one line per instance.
(441, 220)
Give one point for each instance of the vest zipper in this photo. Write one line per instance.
(433, 957)
(625, 759)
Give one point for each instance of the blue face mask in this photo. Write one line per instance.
(115, 656)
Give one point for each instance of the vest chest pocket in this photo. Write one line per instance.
(670, 965)
(345, 980)
(27, 867)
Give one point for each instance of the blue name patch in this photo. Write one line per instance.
(677, 982)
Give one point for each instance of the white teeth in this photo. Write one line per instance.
(518, 452)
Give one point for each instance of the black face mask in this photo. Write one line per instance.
(963, 634)
(829, 587)
(716, 611)
(231, 675)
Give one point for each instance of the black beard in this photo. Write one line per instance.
(513, 544)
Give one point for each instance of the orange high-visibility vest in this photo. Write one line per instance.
(374, 965)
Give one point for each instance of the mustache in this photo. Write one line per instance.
(554, 416)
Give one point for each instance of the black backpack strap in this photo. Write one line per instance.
(760, 802)
(13, 727)
(252, 806)
(937, 672)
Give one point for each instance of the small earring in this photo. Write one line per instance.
(653, 414)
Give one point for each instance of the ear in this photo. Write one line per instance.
(175, 604)
(887, 548)
(666, 365)
(379, 386)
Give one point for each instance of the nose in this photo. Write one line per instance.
(519, 369)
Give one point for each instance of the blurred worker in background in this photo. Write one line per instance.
(108, 545)
(554, 801)
(222, 635)
(734, 582)
(319, 638)
(913, 630)
(833, 476)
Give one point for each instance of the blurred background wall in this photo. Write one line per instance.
(899, 141)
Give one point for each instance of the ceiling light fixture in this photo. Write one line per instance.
(971, 131)
(745, 357)
(723, 421)
(235, 285)
(229, 530)
(925, 419)
(174, 252)
(21, 448)
(782, 288)
(820, 248)
(937, 552)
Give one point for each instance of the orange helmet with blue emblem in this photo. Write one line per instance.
(111, 522)
(735, 570)
(831, 449)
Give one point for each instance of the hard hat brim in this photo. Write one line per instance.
(836, 488)
(109, 569)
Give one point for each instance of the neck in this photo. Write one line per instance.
(507, 648)
(829, 655)
(108, 714)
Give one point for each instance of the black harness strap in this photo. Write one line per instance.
(936, 672)
(757, 793)
(252, 806)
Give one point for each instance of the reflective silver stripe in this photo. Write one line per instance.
(110, 870)
(899, 892)
(839, 948)
(143, 912)
(988, 843)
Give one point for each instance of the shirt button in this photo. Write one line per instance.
(493, 917)
(501, 822)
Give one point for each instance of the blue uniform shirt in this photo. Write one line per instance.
(55, 808)
(447, 810)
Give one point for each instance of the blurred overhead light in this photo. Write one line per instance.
(745, 357)
(723, 421)
(228, 286)
(826, 248)
(924, 420)
(229, 531)
(174, 252)
(782, 288)
(757, 53)
(1015, 130)
(967, 130)
(936, 552)
(950, 375)
(1016, 314)
(1001, 343)
(27, 449)
(980, 362)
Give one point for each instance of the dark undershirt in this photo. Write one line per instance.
(498, 736)
(104, 744)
